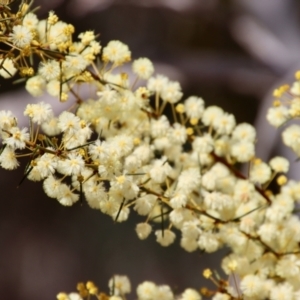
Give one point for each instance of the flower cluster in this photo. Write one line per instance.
(119, 286)
(286, 107)
(120, 152)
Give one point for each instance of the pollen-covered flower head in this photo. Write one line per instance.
(143, 230)
(36, 85)
(159, 170)
(21, 36)
(116, 52)
(245, 132)
(119, 285)
(87, 37)
(7, 120)
(8, 159)
(251, 286)
(146, 290)
(165, 238)
(143, 67)
(243, 151)
(177, 134)
(194, 107)
(55, 35)
(39, 113)
(144, 204)
(30, 21)
(211, 114)
(279, 164)
(49, 70)
(68, 122)
(191, 294)
(291, 136)
(260, 173)
(164, 292)
(203, 144)
(65, 196)
(17, 138)
(171, 92)
(56, 88)
(224, 124)
(277, 115)
(75, 63)
(72, 165)
(157, 84)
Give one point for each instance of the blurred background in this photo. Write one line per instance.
(230, 52)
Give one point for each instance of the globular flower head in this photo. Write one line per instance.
(143, 230)
(68, 122)
(116, 52)
(30, 21)
(146, 290)
(171, 92)
(278, 115)
(190, 294)
(157, 84)
(39, 113)
(119, 285)
(251, 286)
(279, 164)
(8, 159)
(245, 132)
(36, 85)
(143, 67)
(87, 37)
(194, 107)
(17, 138)
(7, 120)
(165, 237)
(49, 70)
(21, 36)
(260, 172)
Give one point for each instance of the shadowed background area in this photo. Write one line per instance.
(228, 52)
